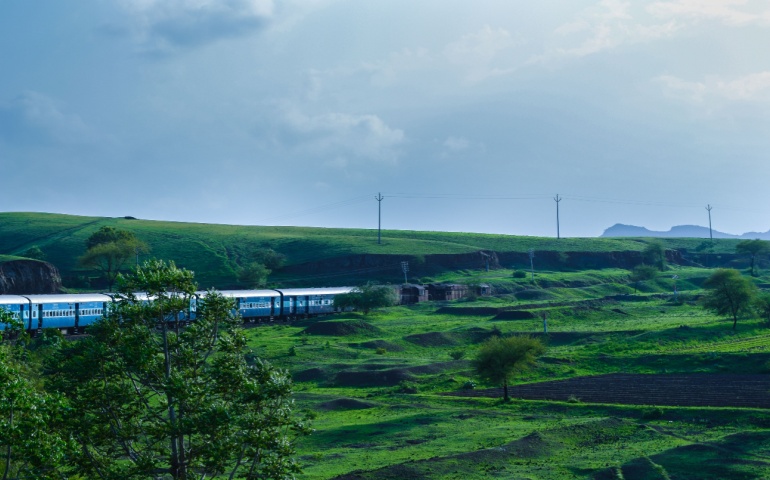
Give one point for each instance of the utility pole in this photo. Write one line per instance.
(379, 199)
(557, 199)
(405, 268)
(711, 235)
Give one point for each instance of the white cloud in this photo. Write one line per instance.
(611, 24)
(166, 25)
(729, 12)
(477, 53)
(340, 137)
(35, 119)
(752, 87)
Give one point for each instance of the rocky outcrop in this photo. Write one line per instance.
(22, 277)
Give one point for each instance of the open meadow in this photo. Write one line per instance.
(390, 393)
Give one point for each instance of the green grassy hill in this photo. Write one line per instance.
(215, 252)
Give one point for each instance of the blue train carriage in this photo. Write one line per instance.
(16, 305)
(255, 305)
(68, 313)
(310, 302)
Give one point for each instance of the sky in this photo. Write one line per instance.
(464, 116)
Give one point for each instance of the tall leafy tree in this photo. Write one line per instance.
(729, 293)
(154, 397)
(110, 250)
(366, 298)
(500, 359)
(753, 248)
(30, 445)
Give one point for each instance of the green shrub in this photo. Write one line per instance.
(652, 413)
(381, 351)
(519, 274)
(457, 354)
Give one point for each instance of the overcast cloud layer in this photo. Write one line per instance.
(467, 116)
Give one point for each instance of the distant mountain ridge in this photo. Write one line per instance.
(679, 231)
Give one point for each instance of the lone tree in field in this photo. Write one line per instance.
(729, 293)
(753, 248)
(500, 359)
(110, 251)
(151, 397)
(366, 298)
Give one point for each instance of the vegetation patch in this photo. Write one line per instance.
(346, 404)
(383, 378)
(341, 328)
(375, 344)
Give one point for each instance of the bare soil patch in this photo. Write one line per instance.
(310, 375)
(515, 315)
(346, 404)
(706, 390)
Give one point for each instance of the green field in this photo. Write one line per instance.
(376, 392)
(375, 387)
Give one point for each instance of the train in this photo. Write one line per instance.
(73, 313)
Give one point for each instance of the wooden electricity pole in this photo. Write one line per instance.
(379, 199)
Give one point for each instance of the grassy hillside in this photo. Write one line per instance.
(214, 252)
(376, 385)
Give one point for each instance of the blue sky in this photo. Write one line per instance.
(467, 116)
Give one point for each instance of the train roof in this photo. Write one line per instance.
(316, 291)
(12, 300)
(246, 293)
(69, 298)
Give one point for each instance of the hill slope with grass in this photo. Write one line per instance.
(325, 256)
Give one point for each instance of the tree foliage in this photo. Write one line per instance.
(500, 359)
(729, 293)
(655, 254)
(34, 252)
(254, 275)
(753, 248)
(151, 397)
(110, 251)
(30, 446)
(108, 234)
(366, 298)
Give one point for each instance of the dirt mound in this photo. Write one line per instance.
(432, 339)
(515, 315)
(375, 344)
(346, 404)
(310, 375)
(341, 328)
(383, 378)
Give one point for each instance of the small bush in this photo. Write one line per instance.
(573, 399)
(519, 274)
(652, 413)
(381, 351)
(407, 387)
(469, 385)
(457, 354)
(292, 351)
